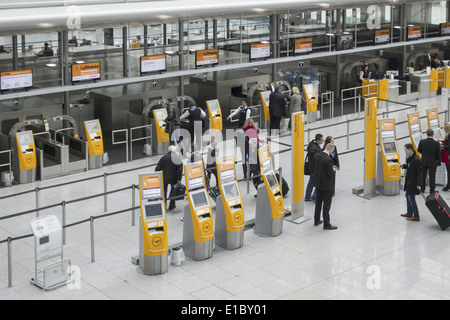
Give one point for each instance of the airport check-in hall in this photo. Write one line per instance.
(258, 150)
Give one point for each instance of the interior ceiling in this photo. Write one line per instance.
(27, 17)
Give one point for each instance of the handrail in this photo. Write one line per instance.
(357, 96)
(138, 139)
(114, 142)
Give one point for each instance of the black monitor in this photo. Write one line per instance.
(153, 210)
(344, 42)
(199, 199)
(390, 148)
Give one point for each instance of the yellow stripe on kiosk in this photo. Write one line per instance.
(94, 137)
(434, 123)
(215, 114)
(389, 157)
(270, 204)
(26, 150)
(230, 220)
(198, 228)
(154, 245)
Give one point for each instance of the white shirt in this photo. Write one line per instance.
(186, 114)
(247, 114)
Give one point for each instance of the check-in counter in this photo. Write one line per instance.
(424, 83)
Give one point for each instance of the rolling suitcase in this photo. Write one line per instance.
(439, 209)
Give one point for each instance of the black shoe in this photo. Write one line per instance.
(318, 223)
(446, 188)
(329, 227)
(172, 206)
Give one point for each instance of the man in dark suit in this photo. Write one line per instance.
(277, 106)
(430, 150)
(323, 181)
(172, 167)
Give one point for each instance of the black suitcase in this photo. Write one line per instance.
(439, 209)
(177, 192)
(284, 185)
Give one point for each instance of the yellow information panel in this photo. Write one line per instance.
(26, 150)
(298, 155)
(94, 137)
(434, 77)
(215, 114)
(370, 168)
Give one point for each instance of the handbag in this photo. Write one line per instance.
(177, 192)
(306, 169)
(169, 127)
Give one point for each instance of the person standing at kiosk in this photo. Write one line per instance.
(430, 150)
(277, 109)
(446, 154)
(173, 116)
(413, 182)
(323, 181)
(195, 115)
(171, 165)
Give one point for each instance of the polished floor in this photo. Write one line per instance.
(374, 253)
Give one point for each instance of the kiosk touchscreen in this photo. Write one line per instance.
(434, 123)
(94, 138)
(153, 244)
(215, 114)
(388, 168)
(229, 206)
(25, 163)
(311, 101)
(415, 130)
(269, 205)
(160, 139)
(198, 228)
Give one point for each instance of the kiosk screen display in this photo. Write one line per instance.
(390, 147)
(151, 186)
(25, 139)
(153, 210)
(231, 191)
(93, 126)
(417, 137)
(195, 176)
(434, 123)
(199, 199)
(214, 106)
(271, 180)
(438, 135)
(160, 115)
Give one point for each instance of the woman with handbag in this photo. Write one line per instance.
(446, 154)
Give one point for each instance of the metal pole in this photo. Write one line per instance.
(63, 218)
(37, 201)
(248, 177)
(92, 239)
(9, 263)
(348, 134)
(280, 173)
(105, 188)
(133, 203)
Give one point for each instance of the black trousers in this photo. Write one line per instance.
(323, 204)
(432, 172)
(447, 166)
(166, 196)
(274, 123)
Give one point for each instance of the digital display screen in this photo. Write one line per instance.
(153, 210)
(231, 191)
(214, 106)
(259, 51)
(434, 123)
(160, 114)
(381, 36)
(25, 138)
(445, 28)
(199, 199)
(438, 135)
(82, 72)
(14, 80)
(206, 57)
(271, 180)
(93, 126)
(195, 176)
(390, 147)
(414, 32)
(154, 63)
(344, 42)
(303, 46)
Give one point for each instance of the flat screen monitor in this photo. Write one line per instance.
(195, 176)
(206, 58)
(199, 199)
(153, 210)
(344, 42)
(16, 80)
(259, 51)
(82, 72)
(152, 64)
(271, 180)
(381, 36)
(414, 32)
(444, 29)
(231, 191)
(390, 147)
(302, 46)
(434, 123)
(151, 186)
(437, 134)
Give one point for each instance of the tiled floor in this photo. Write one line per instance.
(374, 253)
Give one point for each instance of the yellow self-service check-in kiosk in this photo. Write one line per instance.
(94, 139)
(415, 129)
(198, 227)
(311, 102)
(160, 138)
(388, 168)
(25, 163)
(269, 205)
(215, 115)
(153, 244)
(265, 97)
(435, 124)
(230, 222)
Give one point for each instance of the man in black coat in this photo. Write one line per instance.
(413, 182)
(312, 149)
(277, 106)
(430, 150)
(171, 166)
(323, 181)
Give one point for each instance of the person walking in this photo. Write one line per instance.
(173, 116)
(277, 109)
(244, 113)
(334, 156)
(312, 149)
(446, 154)
(172, 167)
(323, 181)
(430, 150)
(413, 182)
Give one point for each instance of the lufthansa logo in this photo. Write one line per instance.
(28, 159)
(206, 227)
(156, 241)
(237, 217)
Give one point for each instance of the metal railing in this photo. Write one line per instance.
(114, 142)
(8, 164)
(327, 98)
(357, 96)
(148, 128)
